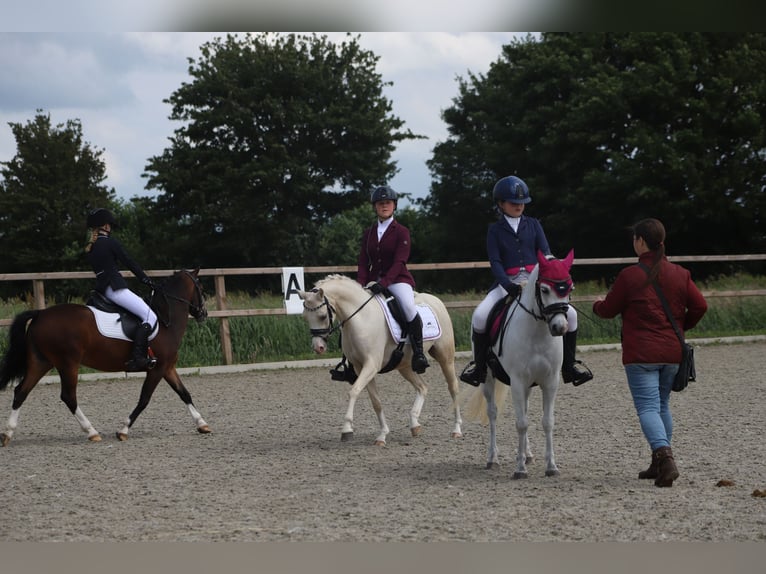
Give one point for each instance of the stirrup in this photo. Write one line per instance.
(470, 375)
(136, 367)
(419, 363)
(577, 374)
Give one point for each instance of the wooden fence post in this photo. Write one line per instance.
(220, 301)
(38, 290)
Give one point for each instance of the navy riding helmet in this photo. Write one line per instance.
(512, 189)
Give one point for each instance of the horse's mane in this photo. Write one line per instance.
(335, 277)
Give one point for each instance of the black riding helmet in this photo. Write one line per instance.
(383, 192)
(101, 216)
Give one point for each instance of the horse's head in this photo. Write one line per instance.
(183, 287)
(552, 289)
(197, 308)
(319, 315)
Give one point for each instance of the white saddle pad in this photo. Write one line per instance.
(109, 325)
(431, 327)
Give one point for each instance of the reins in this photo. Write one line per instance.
(325, 333)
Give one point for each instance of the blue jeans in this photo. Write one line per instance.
(650, 385)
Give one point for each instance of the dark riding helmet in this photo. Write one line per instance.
(512, 189)
(101, 216)
(383, 192)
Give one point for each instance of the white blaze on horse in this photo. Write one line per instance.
(368, 343)
(530, 350)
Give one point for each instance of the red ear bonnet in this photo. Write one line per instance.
(555, 272)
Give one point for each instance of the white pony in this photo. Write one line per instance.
(530, 350)
(367, 343)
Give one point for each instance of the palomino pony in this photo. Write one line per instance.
(66, 336)
(368, 344)
(530, 350)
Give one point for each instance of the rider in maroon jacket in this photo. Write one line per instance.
(382, 266)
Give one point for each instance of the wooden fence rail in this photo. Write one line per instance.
(224, 313)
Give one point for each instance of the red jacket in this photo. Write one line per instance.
(647, 335)
(385, 262)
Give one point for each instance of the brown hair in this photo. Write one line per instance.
(653, 233)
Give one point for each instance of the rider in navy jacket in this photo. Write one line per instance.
(512, 245)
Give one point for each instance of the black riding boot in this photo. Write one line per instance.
(475, 372)
(139, 360)
(572, 370)
(419, 361)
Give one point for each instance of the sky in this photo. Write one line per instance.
(115, 82)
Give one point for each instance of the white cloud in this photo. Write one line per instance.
(115, 85)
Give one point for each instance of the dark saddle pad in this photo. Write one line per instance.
(128, 321)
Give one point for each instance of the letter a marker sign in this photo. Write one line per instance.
(292, 282)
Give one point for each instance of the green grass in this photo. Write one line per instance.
(279, 337)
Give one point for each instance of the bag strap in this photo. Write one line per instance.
(665, 305)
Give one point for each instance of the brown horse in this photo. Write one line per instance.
(66, 336)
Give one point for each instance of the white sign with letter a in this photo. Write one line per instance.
(292, 282)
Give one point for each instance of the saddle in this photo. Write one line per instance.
(127, 320)
(344, 371)
(496, 319)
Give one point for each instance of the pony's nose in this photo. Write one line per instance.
(319, 347)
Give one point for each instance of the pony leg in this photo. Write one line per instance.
(549, 419)
(489, 395)
(147, 390)
(69, 396)
(447, 363)
(174, 380)
(421, 390)
(377, 406)
(521, 407)
(365, 376)
(33, 374)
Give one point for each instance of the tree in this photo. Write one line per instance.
(47, 190)
(280, 134)
(608, 128)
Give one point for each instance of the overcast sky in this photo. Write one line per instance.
(115, 83)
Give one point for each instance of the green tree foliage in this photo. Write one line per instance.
(46, 192)
(280, 134)
(606, 129)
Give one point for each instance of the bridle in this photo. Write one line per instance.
(548, 312)
(325, 332)
(198, 310)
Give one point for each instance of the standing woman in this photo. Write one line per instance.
(104, 253)
(651, 351)
(382, 266)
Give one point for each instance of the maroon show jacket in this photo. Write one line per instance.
(647, 335)
(385, 262)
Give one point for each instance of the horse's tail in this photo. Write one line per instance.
(475, 405)
(14, 363)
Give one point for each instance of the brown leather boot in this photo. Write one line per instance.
(654, 467)
(667, 467)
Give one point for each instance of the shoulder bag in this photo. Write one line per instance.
(686, 369)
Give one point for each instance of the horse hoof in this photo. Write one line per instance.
(204, 429)
(552, 472)
(5, 439)
(492, 466)
(95, 438)
(416, 430)
(380, 443)
(517, 475)
(346, 436)
(457, 435)
(122, 437)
